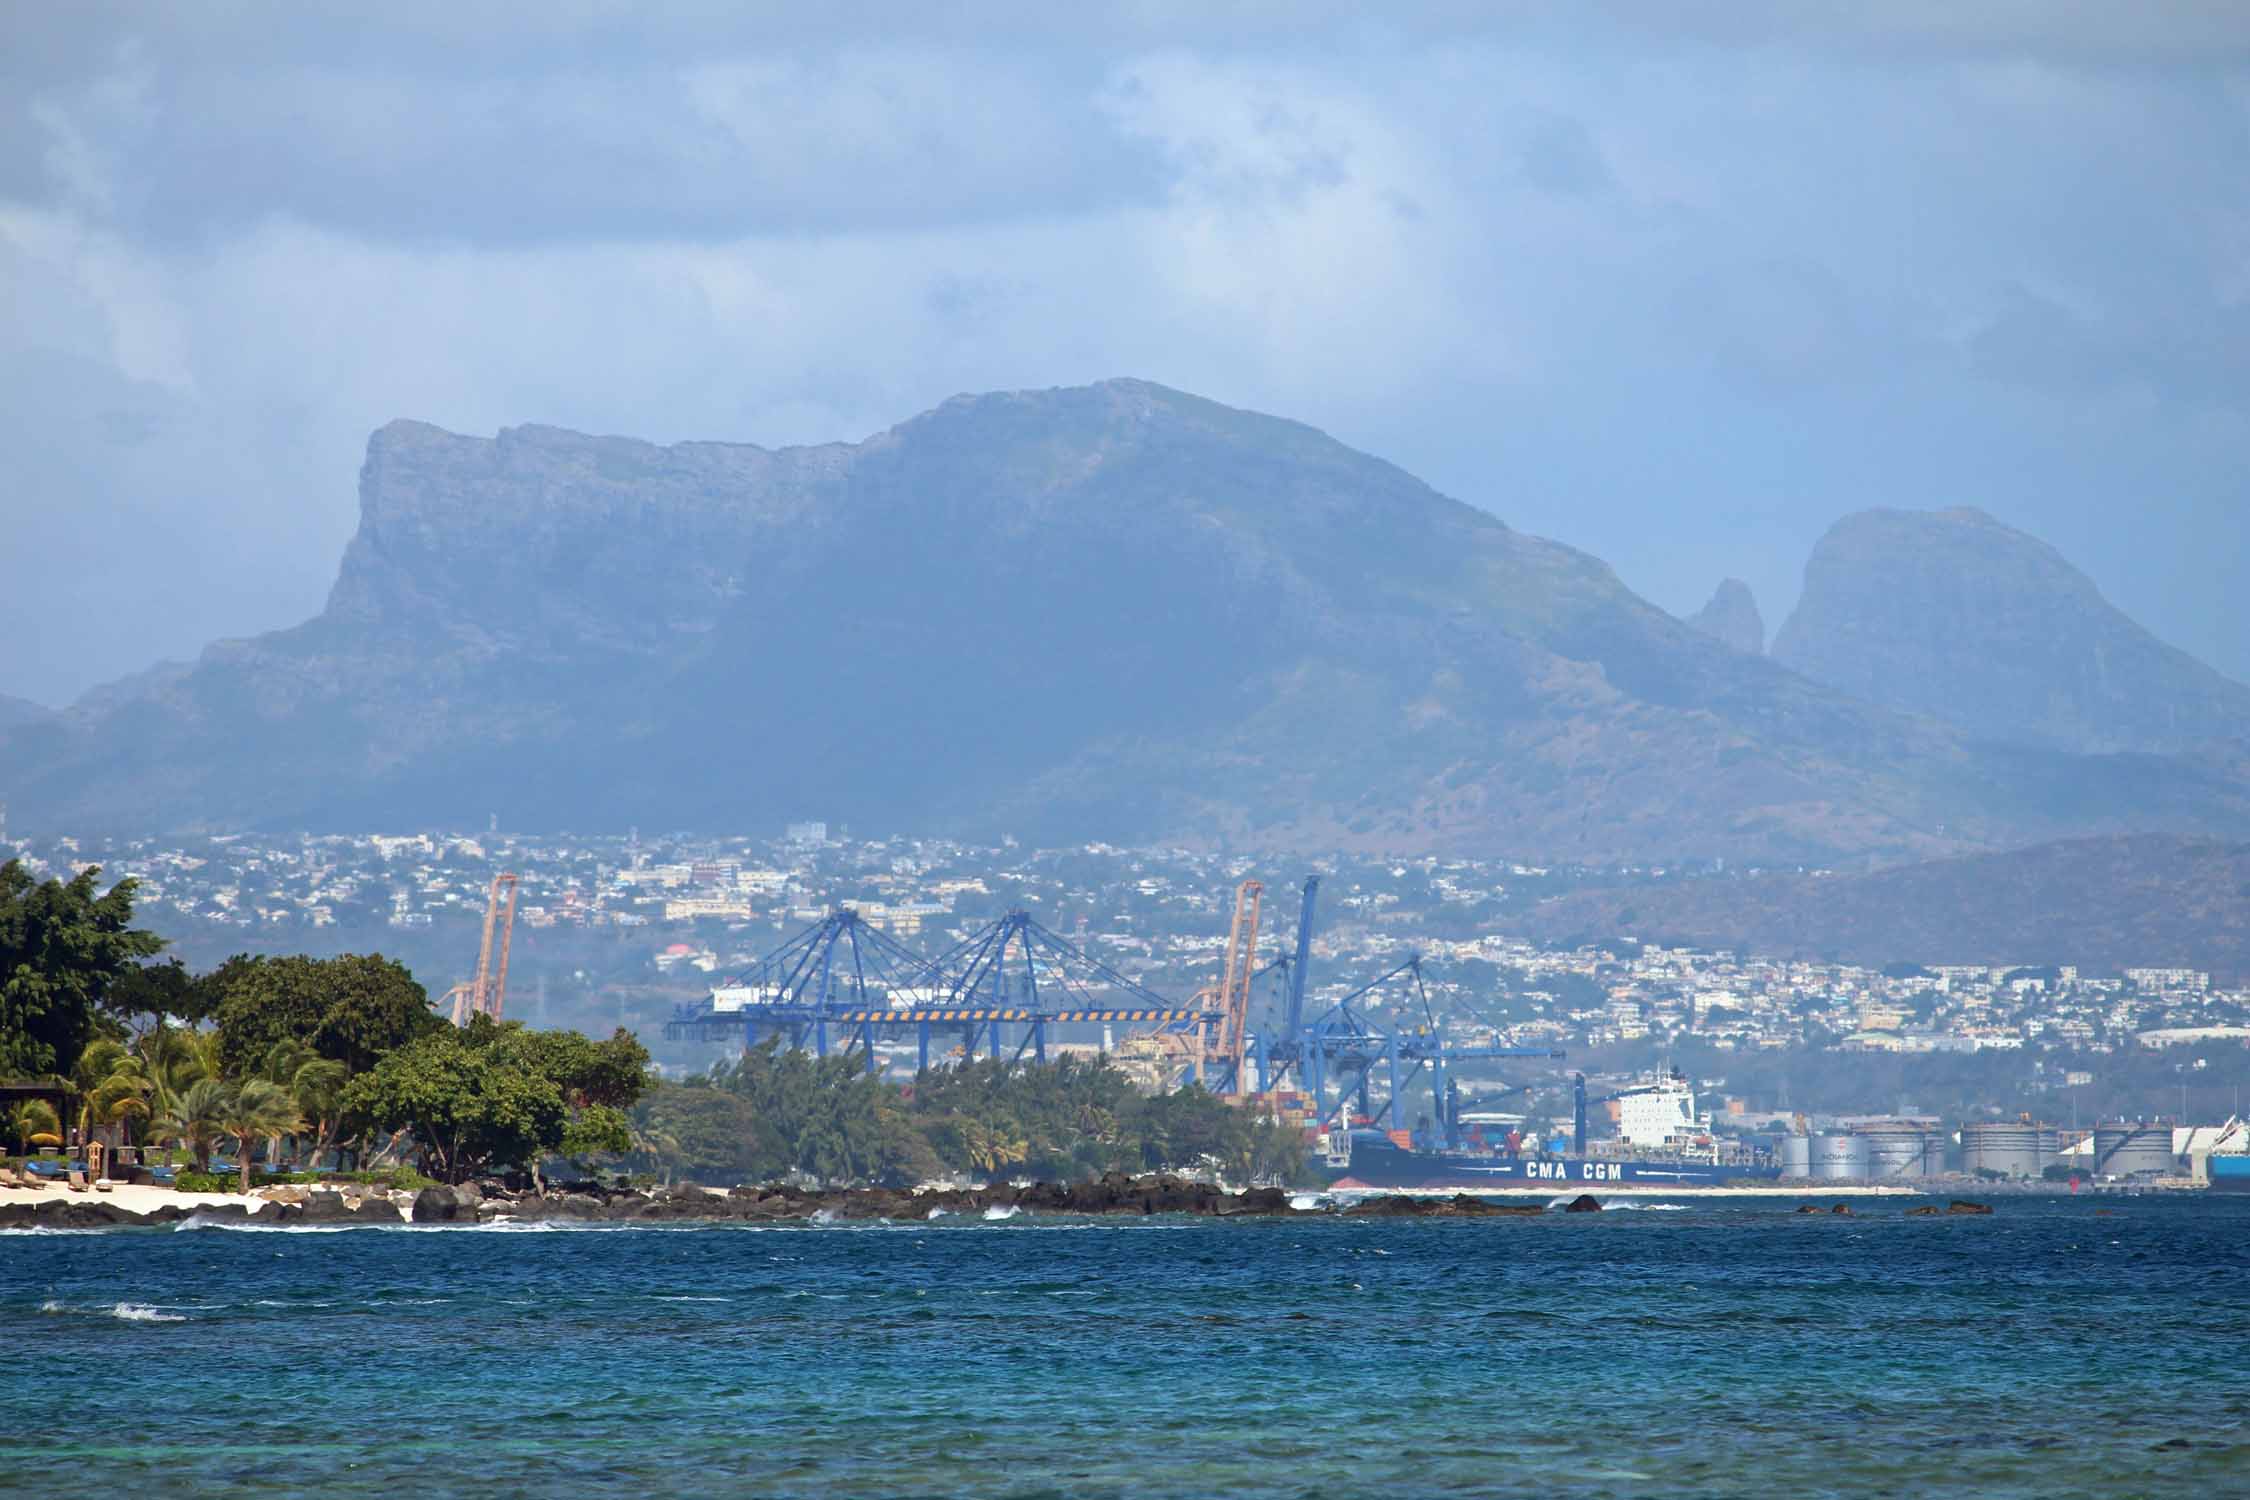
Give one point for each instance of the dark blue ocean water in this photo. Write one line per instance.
(2049, 1350)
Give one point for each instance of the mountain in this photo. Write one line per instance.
(1952, 614)
(15, 711)
(2154, 900)
(1732, 617)
(1113, 611)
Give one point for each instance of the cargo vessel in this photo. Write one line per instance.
(1375, 1161)
(1662, 1143)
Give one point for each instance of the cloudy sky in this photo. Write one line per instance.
(1678, 284)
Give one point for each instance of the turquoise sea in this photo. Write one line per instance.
(2060, 1347)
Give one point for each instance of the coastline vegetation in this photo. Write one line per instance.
(338, 1069)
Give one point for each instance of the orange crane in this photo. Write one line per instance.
(1232, 999)
(488, 992)
(1170, 1053)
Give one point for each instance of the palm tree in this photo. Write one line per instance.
(256, 1110)
(196, 1119)
(991, 1147)
(32, 1122)
(112, 1088)
(659, 1145)
(315, 1084)
(175, 1058)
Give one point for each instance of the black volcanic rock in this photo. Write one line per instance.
(1115, 611)
(1952, 614)
(1732, 616)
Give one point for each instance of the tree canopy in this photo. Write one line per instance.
(63, 946)
(774, 1110)
(498, 1096)
(352, 1008)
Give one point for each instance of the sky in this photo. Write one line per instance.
(1678, 284)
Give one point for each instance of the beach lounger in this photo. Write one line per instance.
(8, 1178)
(77, 1180)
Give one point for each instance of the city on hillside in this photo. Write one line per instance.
(625, 930)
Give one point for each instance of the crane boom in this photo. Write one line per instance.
(1296, 1018)
(1234, 983)
(496, 996)
(487, 994)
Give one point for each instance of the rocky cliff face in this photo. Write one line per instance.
(1732, 617)
(1115, 611)
(1952, 614)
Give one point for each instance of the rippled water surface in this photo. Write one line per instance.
(2060, 1347)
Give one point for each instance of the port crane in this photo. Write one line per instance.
(842, 982)
(487, 994)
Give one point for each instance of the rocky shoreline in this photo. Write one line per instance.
(590, 1203)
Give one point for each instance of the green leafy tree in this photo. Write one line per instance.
(493, 1096)
(597, 1130)
(63, 944)
(467, 1110)
(152, 990)
(353, 1009)
(706, 1134)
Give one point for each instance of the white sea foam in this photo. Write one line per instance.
(52, 1306)
(1613, 1206)
(1305, 1202)
(939, 1213)
(238, 1226)
(662, 1298)
(28, 1229)
(1000, 1211)
(824, 1216)
(139, 1312)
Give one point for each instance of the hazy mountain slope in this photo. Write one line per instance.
(15, 711)
(2148, 899)
(1953, 614)
(1114, 611)
(1731, 616)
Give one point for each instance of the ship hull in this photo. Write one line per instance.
(2230, 1174)
(1381, 1164)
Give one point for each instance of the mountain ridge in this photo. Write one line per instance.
(1111, 611)
(1731, 615)
(1954, 614)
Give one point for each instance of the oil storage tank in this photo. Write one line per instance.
(1796, 1156)
(1903, 1148)
(2122, 1149)
(2005, 1147)
(1840, 1158)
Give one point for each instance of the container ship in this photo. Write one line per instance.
(1662, 1143)
(2226, 1160)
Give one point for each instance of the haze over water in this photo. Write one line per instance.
(2059, 1347)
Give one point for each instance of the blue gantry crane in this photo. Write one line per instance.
(843, 982)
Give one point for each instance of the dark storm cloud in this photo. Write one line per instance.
(1678, 283)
